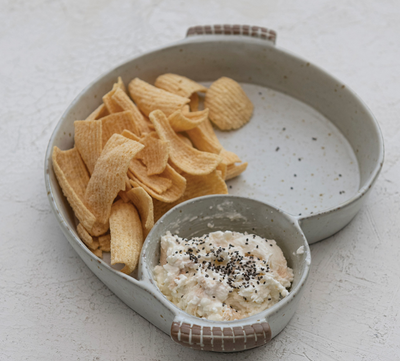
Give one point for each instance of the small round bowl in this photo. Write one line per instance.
(207, 214)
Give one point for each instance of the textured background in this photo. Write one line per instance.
(53, 308)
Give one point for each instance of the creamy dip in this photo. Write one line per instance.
(222, 276)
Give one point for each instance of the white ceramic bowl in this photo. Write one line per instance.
(224, 212)
(313, 147)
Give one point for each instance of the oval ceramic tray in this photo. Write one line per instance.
(314, 151)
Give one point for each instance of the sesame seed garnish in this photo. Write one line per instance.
(234, 267)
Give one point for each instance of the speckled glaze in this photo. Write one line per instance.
(292, 86)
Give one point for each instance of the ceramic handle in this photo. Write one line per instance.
(221, 339)
(247, 30)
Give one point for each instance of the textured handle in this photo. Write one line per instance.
(226, 339)
(254, 31)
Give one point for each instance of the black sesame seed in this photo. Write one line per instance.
(277, 148)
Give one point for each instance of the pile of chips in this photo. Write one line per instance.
(135, 160)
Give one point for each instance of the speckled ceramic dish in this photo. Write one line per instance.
(314, 151)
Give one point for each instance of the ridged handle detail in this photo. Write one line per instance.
(221, 339)
(247, 30)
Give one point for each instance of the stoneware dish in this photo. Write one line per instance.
(314, 151)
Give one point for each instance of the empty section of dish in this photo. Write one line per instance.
(298, 160)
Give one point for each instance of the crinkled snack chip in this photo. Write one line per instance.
(181, 122)
(109, 175)
(229, 159)
(194, 102)
(185, 139)
(116, 123)
(122, 99)
(73, 179)
(144, 204)
(148, 98)
(233, 170)
(128, 187)
(179, 85)
(130, 135)
(230, 108)
(88, 141)
(108, 100)
(186, 158)
(98, 252)
(203, 137)
(100, 112)
(126, 235)
(105, 242)
(157, 183)
(155, 154)
(172, 193)
(99, 229)
(222, 167)
(87, 238)
(196, 186)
